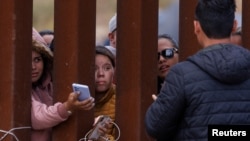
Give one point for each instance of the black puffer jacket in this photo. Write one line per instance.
(211, 87)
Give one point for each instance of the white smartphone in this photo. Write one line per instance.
(83, 89)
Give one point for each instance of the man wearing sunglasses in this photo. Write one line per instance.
(212, 87)
(167, 56)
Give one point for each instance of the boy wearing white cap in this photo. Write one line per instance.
(112, 31)
(112, 35)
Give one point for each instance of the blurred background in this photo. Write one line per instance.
(43, 16)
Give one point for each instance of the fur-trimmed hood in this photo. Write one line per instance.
(39, 44)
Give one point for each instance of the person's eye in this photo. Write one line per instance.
(38, 59)
(107, 68)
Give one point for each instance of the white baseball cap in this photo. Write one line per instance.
(112, 24)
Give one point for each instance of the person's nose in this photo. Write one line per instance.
(100, 72)
(161, 59)
(33, 66)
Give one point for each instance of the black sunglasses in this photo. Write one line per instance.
(167, 53)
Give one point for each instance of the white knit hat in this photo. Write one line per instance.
(112, 24)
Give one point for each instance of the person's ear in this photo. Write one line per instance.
(111, 36)
(197, 27)
(235, 26)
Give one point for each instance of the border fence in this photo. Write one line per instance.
(74, 27)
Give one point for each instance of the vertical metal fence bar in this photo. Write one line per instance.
(136, 65)
(15, 62)
(188, 41)
(245, 23)
(74, 60)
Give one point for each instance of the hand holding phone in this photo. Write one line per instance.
(83, 89)
(94, 135)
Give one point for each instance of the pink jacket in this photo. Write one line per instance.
(45, 115)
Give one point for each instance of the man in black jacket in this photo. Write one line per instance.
(211, 87)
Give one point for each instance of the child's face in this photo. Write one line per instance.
(104, 72)
(37, 66)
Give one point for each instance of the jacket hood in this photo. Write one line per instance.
(40, 47)
(39, 44)
(227, 63)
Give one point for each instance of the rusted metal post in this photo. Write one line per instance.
(137, 22)
(15, 61)
(74, 60)
(245, 23)
(187, 40)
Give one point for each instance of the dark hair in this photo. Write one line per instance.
(52, 45)
(216, 17)
(171, 39)
(46, 32)
(104, 51)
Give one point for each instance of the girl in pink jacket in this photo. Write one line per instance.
(44, 113)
